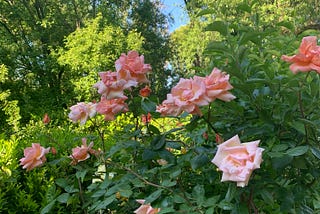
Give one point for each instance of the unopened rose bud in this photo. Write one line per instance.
(46, 119)
(145, 92)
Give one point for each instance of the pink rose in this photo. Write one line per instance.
(34, 156)
(237, 160)
(308, 57)
(217, 86)
(82, 111)
(81, 153)
(111, 86)
(134, 64)
(109, 108)
(146, 208)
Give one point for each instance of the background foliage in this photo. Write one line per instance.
(51, 52)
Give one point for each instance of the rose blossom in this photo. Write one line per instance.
(308, 57)
(111, 86)
(109, 108)
(217, 86)
(81, 153)
(145, 92)
(82, 111)
(34, 156)
(237, 160)
(134, 64)
(46, 119)
(146, 208)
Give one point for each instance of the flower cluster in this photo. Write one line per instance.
(308, 57)
(130, 71)
(237, 160)
(189, 94)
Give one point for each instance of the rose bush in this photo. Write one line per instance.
(166, 160)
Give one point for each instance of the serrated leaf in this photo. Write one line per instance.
(103, 204)
(167, 210)
(61, 182)
(199, 161)
(168, 183)
(315, 152)
(48, 207)
(158, 142)
(244, 7)
(154, 196)
(63, 198)
(219, 26)
(287, 25)
(81, 174)
(280, 162)
(148, 154)
(205, 12)
(148, 106)
(297, 151)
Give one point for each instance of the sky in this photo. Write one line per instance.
(175, 8)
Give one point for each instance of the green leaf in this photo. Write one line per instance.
(205, 12)
(63, 198)
(81, 174)
(211, 202)
(47, 208)
(219, 26)
(148, 154)
(199, 161)
(315, 152)
(288, 25)
(103, 204)
(154, 196)
(62, 182)
(167, 210)
(168, 183)
(297, 151)
(198, 194)
(281, 162)
(244, 7)
(148, 106)
(298, 126)
(158, 142)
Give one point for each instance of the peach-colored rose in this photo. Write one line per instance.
(34, 156)
(111, 86)
(237, 160)
(109, 108)
(145, 92)
(134, 64)
(82, 111)
(146, 208)
(169, 108)
(308, 57)
(81, 153)
(217, 86)
(46, 119)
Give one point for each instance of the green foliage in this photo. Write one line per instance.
(9, 113)
(166, 161)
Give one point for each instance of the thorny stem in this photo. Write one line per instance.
(208, 122)
(302, 114)
(81, 194)
(251, 203)
(153, 184)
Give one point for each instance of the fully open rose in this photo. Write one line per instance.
(34, 156)
(237, 160)
(308, 57)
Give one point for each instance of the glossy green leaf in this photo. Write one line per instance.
(153, 196)
(297, 151)
(219, 26)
